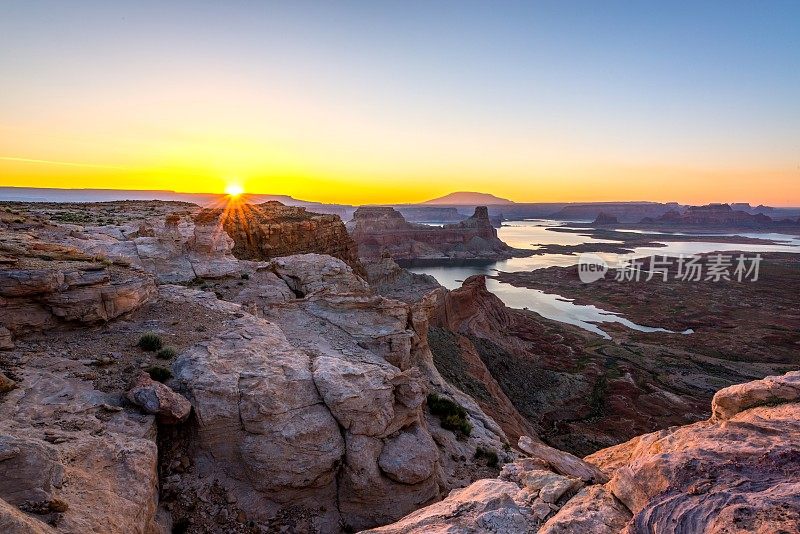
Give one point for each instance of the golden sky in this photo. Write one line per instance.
(377, 106)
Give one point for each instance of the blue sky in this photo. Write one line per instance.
(521, 95)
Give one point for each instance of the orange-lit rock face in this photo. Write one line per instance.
(270, 230)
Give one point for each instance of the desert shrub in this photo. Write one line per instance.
(245, 276)
(489, 455)
(452, 416)
(167, 353)
(150, 342)
(159, 374)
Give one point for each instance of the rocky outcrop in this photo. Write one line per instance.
(771, 390)
(383, 229)
(320, 404)
(38, 294)
(741, 474)
(176, 248)
(68, 455)
(270, 230)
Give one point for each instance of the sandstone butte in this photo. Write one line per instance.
(297, 398)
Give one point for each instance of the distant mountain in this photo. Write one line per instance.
(468, 198)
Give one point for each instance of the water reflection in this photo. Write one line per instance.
(533, 233)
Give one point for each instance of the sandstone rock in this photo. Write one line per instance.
(39, 298)
(27, 282)
(594, 510)
(157, 399)
(6, 384)
(362, 398)
(6, 340)
(270, 230)
(101, 302)
(390, 280)
(729, 401)
(13, 521)
(274, 423)
(307, 274)
(708, 475)
(410, 457)
(562, 462)
(109, 464)
(740, 474)
(487, 505)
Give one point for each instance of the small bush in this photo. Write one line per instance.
(167, 353)
(452, 416)
(491, 457)
(159, 374)
(245, 276)
(150, 342)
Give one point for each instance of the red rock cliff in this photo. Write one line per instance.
(269, 230)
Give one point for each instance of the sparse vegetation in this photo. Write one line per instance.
(150, 342)
(167, 353)
(489, 455)
(452, 416)
(159, 374)
(245, 276)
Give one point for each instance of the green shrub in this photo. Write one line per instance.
(167, 353)
(245, 276)
(452, 416)
(491, 457)
(159, 374)
(150, 342)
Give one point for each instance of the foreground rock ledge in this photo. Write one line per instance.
(738, 472)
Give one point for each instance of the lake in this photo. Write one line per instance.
(530, 234)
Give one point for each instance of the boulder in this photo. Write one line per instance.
(159, 400)
(562, 462)
(409, 457)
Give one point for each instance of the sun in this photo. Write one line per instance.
(234, 190)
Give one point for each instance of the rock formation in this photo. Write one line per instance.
(737, 474)
(383, 229)
(711, 216)
(332, 422)
(604, 218)
(270, 230)
(44, 283)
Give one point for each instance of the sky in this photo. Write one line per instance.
(370, 102)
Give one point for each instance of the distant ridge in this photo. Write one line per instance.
(468, 198)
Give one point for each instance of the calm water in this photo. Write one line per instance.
(533, 233)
